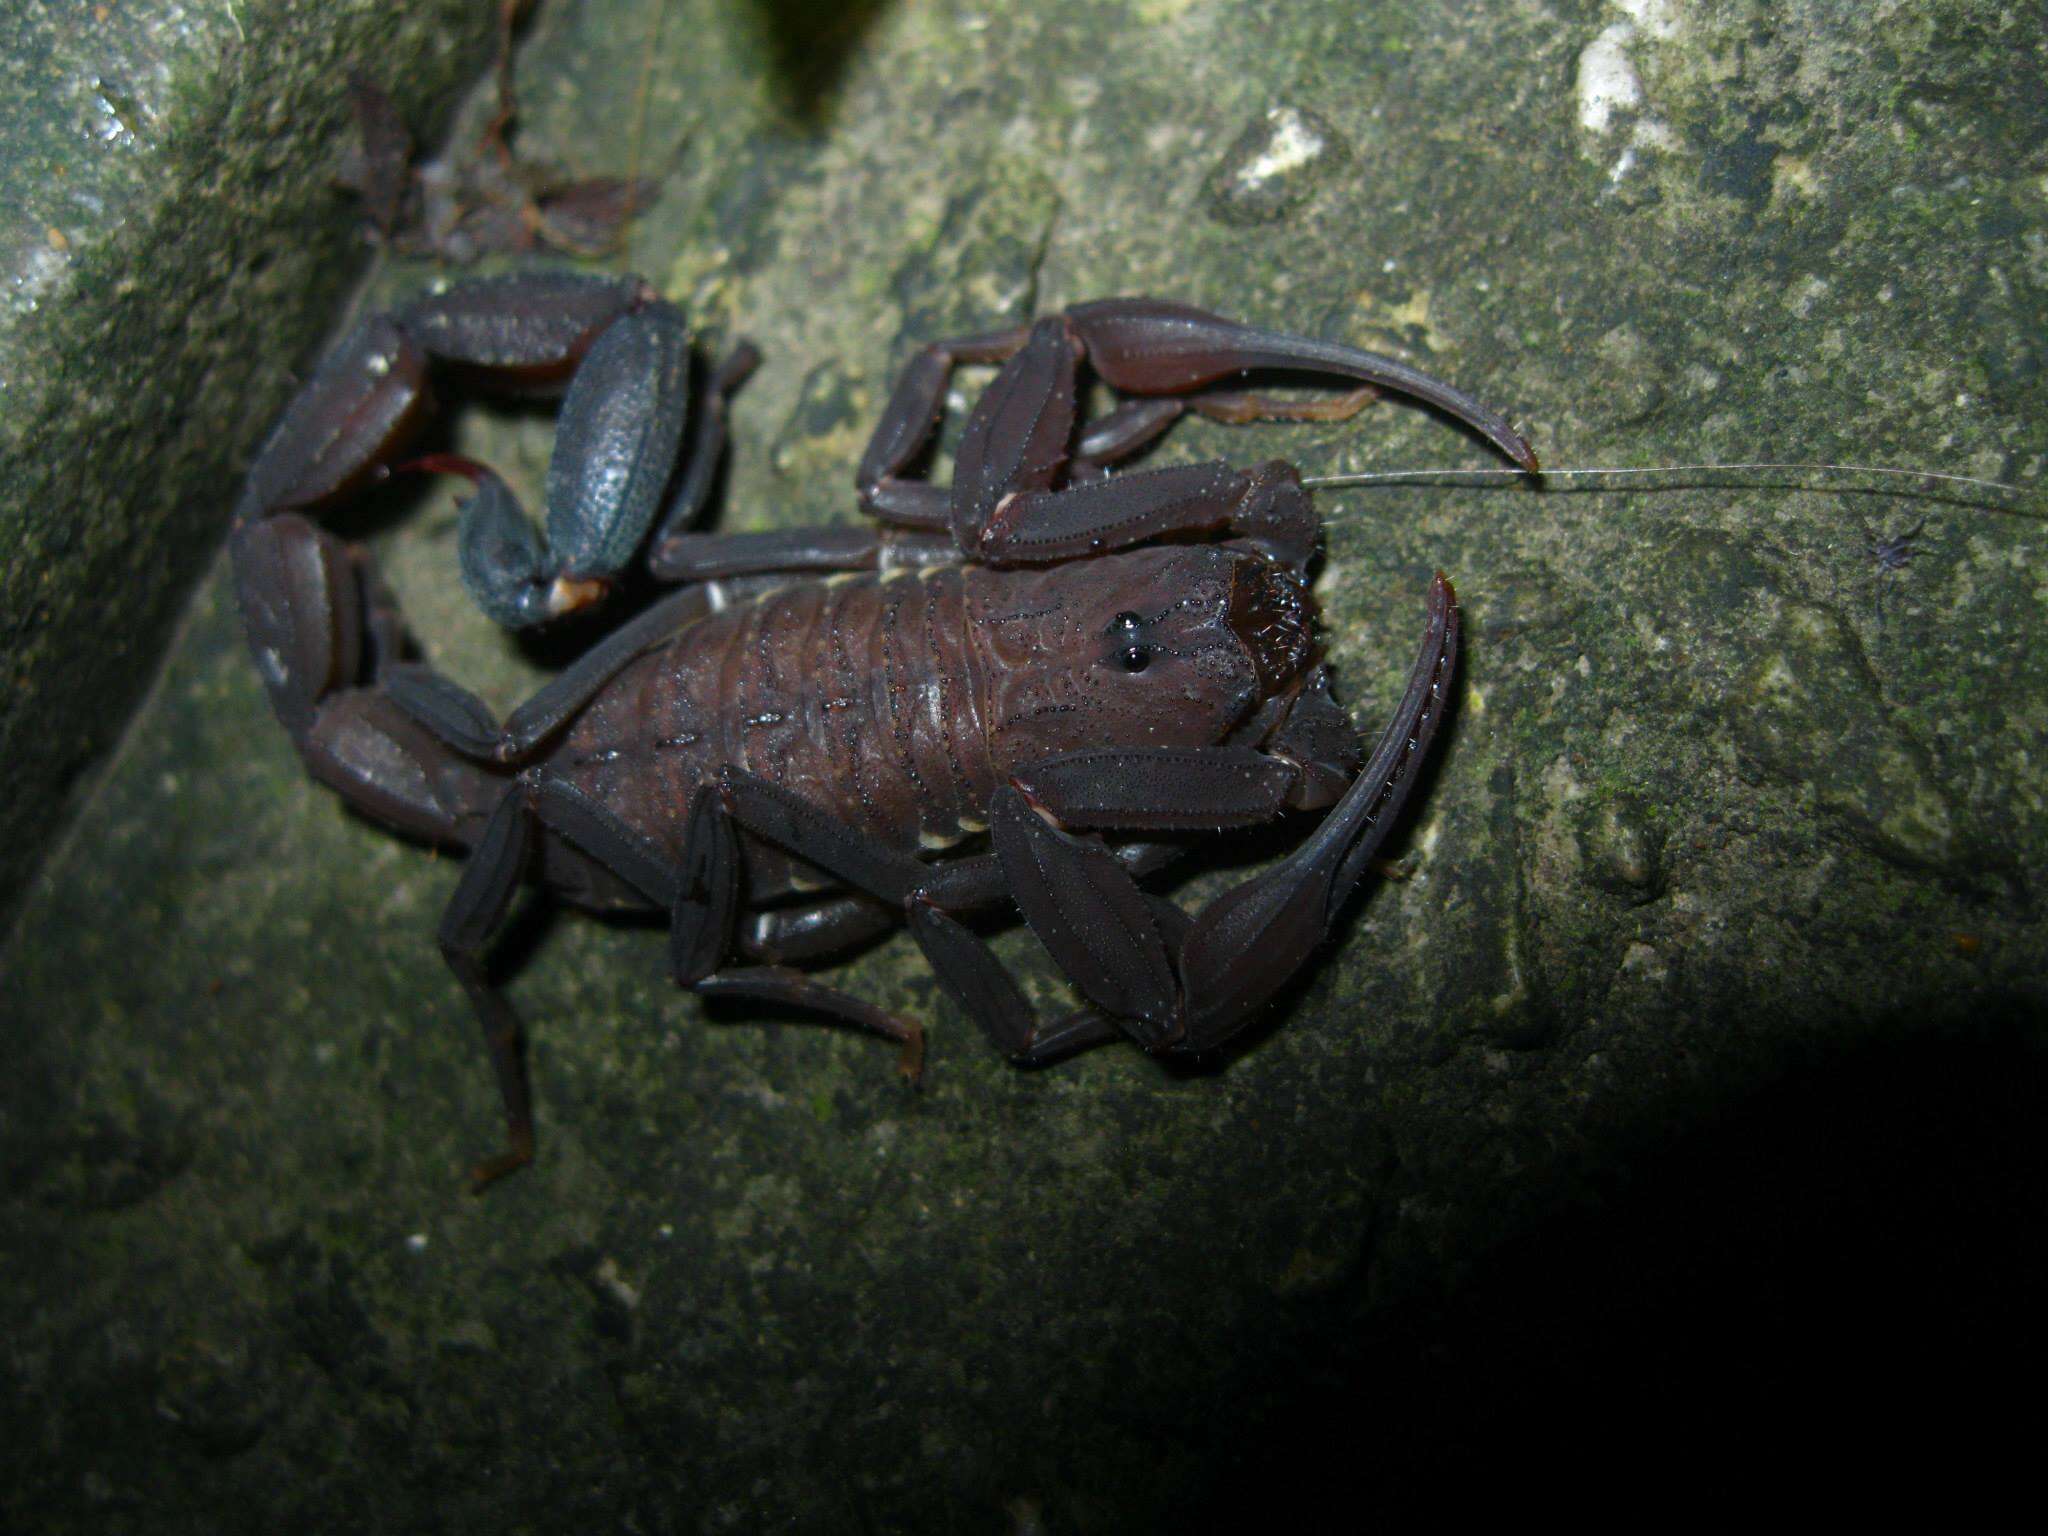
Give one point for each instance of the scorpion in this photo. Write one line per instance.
(1022, 690)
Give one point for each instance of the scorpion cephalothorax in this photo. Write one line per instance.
(1025, 688)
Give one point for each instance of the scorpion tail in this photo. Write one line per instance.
(322, 631)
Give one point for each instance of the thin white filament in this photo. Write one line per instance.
(1664, 477)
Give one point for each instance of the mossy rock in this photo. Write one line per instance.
(1720, 822)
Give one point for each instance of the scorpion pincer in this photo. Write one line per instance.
(1028, 687)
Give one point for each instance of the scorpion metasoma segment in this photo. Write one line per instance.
(1027, 688)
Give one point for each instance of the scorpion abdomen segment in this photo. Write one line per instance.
(858, 694)
(391, 768)
(530, 327)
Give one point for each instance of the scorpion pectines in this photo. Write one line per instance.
(1092, 668)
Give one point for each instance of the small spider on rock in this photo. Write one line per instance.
(1890, 556)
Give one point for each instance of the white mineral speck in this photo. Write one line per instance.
(1292, 144)
(1659, 18)
(1607, 79)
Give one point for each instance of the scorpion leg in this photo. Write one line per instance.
(303, 604)
(831, 925)
(461, 720)
(907, 425)
(1119, 955)
(928, 895)
(701, 896)
(1115, 943)
(490, 882)
(972, 976)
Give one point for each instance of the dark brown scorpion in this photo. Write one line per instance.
(992, 676)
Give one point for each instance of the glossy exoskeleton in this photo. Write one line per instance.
(1025, 688)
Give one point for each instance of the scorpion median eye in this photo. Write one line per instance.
(1129, 622)
(1136, 658)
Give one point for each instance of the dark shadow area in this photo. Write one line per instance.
(1850, 1262)
(810, 43)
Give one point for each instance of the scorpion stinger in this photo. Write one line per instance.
(619, 351)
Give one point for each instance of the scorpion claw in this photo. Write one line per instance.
(1156, 347)
(1247, 943)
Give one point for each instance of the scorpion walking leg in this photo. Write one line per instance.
(490, 881)
(929, 895)
(1116, 944)
(907, 424)
(463, 721)
(814, 930)
(701, 896)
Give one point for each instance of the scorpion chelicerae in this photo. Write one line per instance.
(1020, 689)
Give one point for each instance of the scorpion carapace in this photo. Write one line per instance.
(1023, 689)
(1163, 646)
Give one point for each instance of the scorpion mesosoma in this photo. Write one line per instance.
(822, 733)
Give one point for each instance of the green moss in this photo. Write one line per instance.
(173, 245)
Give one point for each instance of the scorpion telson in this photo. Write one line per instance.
(1026, 688)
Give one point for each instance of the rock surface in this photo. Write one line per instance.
(1711, 828)
(171, 243)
